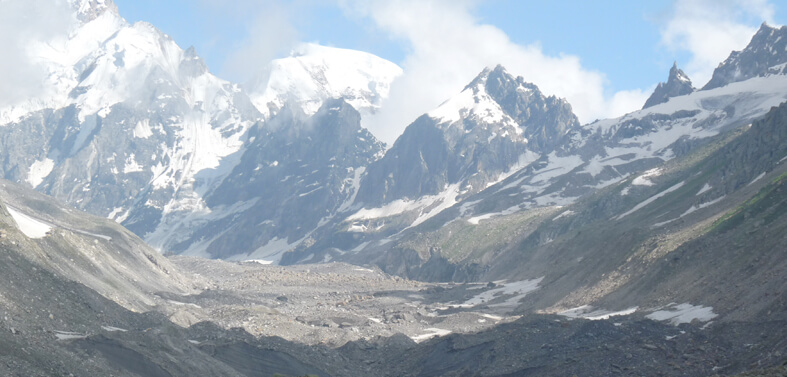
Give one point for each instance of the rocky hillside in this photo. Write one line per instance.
(75, 246)
(54, 323)
(687, 232)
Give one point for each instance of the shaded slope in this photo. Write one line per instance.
(94, 251)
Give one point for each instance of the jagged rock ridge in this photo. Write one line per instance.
(496, 123)
(766, 54)
(678, 84)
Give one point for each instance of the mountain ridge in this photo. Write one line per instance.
(765, 54)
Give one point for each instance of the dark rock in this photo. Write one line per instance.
(678, 84)
(764, 54)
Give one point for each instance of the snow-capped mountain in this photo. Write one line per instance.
(132, 126)
(678, 84)
(495, 125)
(314, 73)
(606, 152)
(583, 161)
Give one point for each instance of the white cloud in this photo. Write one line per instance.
(21, 23)
(448, 47)
(270, 33)
(711, 29)
(260, 48)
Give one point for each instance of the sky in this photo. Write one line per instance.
(605, 57)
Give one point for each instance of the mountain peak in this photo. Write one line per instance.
(678, 84)
(497, 71)
(314, 73)
(89, 10)
(765, 54)
(765, 29)
(497, 97)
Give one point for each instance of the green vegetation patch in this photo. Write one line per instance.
(769, 203)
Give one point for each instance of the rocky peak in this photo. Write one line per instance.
(766, 54)
(314, 73)
(192, 65)
(678, 84)
(545, 120)
(470, 140)
(89, 10)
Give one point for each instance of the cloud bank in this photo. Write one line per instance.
(22, 23)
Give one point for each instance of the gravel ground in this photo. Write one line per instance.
(329, 304)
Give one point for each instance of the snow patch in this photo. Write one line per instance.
(131, 165)
(756, 179)
(475, 103)
(564, 214)
(593, 314)
(354, 184)
(477, 219)
(427, 206)
(260, 261)
(643, 180)
(557, 166)
(38, 171)
(595, 166)
(650, 200)
(704, 189)
(517, 290)
(117, 215)
(31, 227)
(683, 313)
(492, 317)
(270, 252)
(68, 335)
(142, 130)
(113, 329)
(702, 205)
(432, 332)
(509, 211)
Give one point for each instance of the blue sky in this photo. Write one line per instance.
(603, 56)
